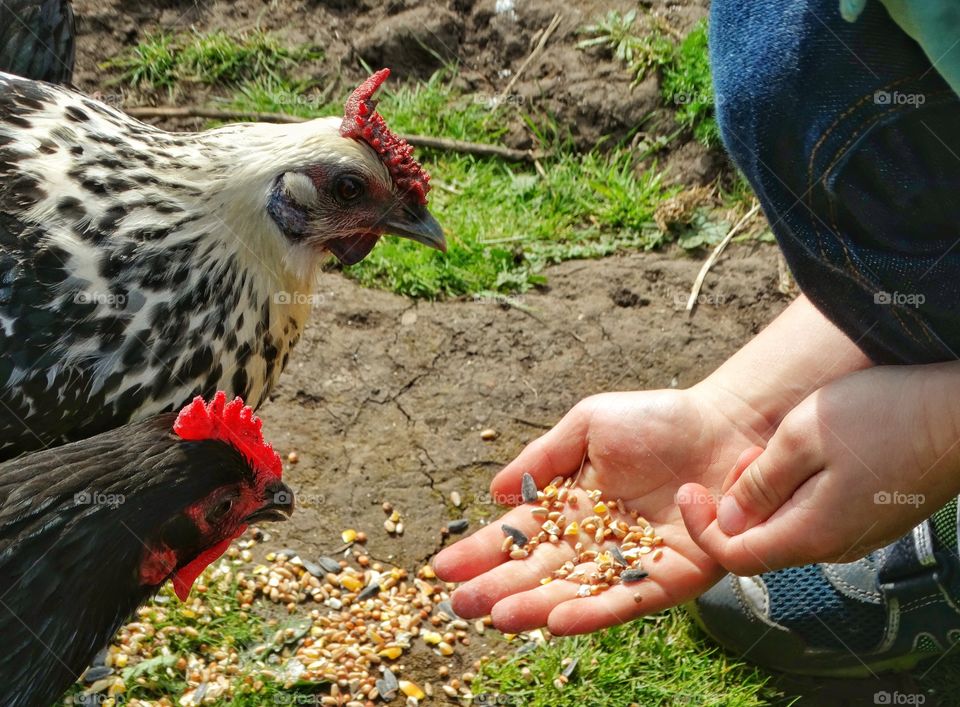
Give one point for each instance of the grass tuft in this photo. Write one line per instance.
(163, 60)
(646, 46)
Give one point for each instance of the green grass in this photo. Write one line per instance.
(205, 624)
(659, 660)
(505, 221)
(644, 45)
(687, 83)
(162, 60)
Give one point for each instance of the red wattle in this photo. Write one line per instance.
(184, 577)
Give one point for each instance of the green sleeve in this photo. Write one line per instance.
(934, 24)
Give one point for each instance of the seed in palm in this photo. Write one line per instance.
(620, 562)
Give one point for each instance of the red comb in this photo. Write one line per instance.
(233, 423)
(362, 122)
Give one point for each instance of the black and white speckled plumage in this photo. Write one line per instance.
(139, 268)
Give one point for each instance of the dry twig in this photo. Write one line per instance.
(437, 143)
(715, 256)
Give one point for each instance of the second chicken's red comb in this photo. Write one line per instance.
(233, 423)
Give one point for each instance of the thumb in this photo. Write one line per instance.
(764, 481)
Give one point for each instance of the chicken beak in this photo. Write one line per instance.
(416, 223)
(279, 506)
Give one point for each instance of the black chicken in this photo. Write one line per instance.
(139, 268)
(37, 39)
(91, 529)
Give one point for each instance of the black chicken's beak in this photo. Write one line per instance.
(279, 505)
(415, 223)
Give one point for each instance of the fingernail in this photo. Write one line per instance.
(730, 516)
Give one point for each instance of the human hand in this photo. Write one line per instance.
(638, 447)
(853, 467)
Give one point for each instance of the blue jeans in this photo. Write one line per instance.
(851, 140)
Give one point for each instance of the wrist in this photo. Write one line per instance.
(799, 352)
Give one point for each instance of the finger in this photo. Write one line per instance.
(528, 610)
(759, 549)
(698, 508)
(481, 551)
(615, 606)
(673, 579)
(764, 486)
(559, 452)
(478, 596)
(743, 461)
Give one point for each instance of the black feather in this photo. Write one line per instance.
(37, 39)
(74, 522)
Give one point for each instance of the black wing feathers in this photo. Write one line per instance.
(37, 39)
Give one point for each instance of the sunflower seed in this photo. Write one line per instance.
(633, 575)
(371, 590)
(618, 556)
(519, 538)
(528, 489)
(97, 673)
(329, 565)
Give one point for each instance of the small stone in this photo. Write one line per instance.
(618, 555)
(489, 434)
(387, 507)
(349, 535)
(390, 680)
(458, 526)
(389, 526)
(293, 457)
(455, 498)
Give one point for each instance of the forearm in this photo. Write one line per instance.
(800, 351)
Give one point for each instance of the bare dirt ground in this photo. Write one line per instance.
(385, 399)
(588, 95)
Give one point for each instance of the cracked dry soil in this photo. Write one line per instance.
(384, 398)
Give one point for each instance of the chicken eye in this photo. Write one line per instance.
(348, 188)
(219, 511)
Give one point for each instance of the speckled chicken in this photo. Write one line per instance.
(140, 268)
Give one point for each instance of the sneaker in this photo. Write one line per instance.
(888, 611)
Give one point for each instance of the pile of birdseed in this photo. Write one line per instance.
(596, 570)
(352, 623)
